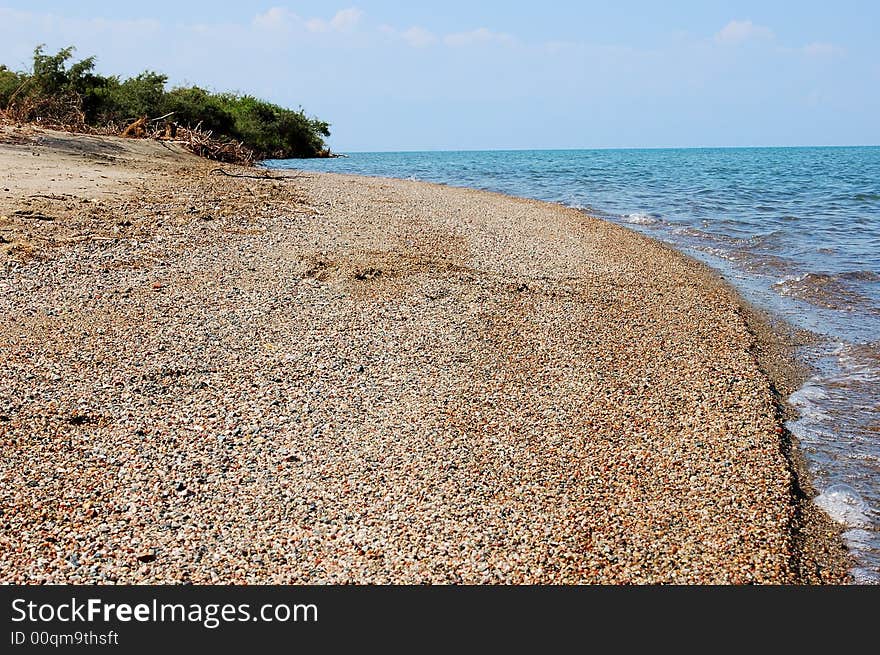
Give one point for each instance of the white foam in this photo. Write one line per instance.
(865, 576)
(807, 400)
(843, 504)
(793, 278)
(810, 430)
(720, 253)
(639, 218)
(857, 538)
(807, 394)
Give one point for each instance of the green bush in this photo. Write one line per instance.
(274, 130)
(125, 101)
(56, 87)
(10, 81)
(195, 107)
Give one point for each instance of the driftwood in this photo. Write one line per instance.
(196, 140)
(136, 129)
(253, 177)
(67, 116)
(204, 144)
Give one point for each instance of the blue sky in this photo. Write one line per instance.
(484, 75)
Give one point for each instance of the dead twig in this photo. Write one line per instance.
(50, 196)
(255, 177)
(204, 144)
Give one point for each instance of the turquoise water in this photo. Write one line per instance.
(797, 230)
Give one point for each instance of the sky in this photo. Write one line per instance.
(473, 75)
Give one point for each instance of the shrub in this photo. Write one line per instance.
(57, 90)
(195, 107)
(10, 82)
(125, 101)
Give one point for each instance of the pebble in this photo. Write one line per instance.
(469, 388)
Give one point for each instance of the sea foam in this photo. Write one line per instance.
(843, 504)
(639, 218)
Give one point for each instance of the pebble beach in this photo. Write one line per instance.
(214, 374)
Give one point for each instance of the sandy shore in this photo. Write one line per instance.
(322, 378)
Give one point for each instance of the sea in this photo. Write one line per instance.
(796, 230)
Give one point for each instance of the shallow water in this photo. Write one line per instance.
(797, 230)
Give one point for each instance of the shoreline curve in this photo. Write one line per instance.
(326, 378)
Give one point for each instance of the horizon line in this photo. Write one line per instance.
(581, 149)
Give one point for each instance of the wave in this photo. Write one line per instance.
(639, 218)
(843, 504)
(829, 290)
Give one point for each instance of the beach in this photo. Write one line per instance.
(215, 374)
